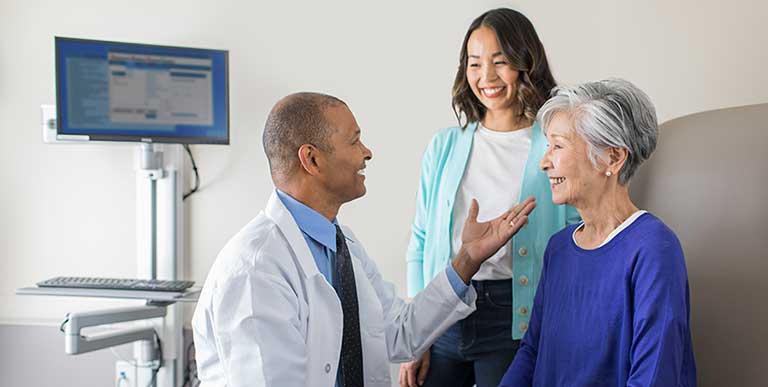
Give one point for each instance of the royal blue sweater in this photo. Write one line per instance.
(617, 315)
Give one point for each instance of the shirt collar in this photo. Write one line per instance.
(310, 221)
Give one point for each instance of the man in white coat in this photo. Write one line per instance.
(294, 300)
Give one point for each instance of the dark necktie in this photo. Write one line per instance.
(351, 364)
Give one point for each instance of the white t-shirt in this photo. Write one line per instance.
(493, 176)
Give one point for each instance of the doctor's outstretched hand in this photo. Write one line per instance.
(480, 240)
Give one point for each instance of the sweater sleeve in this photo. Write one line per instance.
(520, 372)
(661, 315)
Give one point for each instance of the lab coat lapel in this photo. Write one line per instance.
(279, 214)
(324, 332)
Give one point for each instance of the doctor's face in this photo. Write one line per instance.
(343, 175)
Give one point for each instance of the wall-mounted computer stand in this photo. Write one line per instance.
(159, 240)
(158, 220)
(158, 225)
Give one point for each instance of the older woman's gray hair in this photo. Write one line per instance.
(612, 113)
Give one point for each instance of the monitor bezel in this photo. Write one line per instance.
(133, 138)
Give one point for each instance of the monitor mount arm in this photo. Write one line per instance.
(76, 343)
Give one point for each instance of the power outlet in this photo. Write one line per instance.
(125, 374)
(128, 374)
(48, 123)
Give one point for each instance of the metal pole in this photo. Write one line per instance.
(152, 168)
(153, 229)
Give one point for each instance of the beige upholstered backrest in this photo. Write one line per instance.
(708, 180)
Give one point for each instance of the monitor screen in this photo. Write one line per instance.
(112, 91)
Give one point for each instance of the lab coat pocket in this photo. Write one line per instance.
(375, 329)
(375, 358)
(371, 313)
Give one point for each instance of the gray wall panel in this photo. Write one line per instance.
(708, 180)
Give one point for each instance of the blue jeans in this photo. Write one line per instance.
(478, 349)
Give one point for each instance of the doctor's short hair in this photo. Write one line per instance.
(295, 120)
(611, 113)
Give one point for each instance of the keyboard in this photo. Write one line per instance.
(116, 284)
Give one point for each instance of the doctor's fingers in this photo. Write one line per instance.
(422, 375)
(411, 379)
(521, 211)
(403, 376)
(523, 207)
(515, 225)
(410, 373)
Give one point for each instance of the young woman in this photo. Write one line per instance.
(502, 81)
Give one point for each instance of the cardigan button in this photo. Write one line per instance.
(523, 280)
(523, 327)
(523, 310)
(523, 251)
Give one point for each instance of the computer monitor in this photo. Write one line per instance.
(110, 91)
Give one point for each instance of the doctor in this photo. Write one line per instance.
(294, 300)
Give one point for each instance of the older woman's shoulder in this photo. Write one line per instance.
(657, 245)
(650, 227)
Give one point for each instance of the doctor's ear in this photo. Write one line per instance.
(308, 157)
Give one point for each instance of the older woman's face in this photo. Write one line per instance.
(572, 177)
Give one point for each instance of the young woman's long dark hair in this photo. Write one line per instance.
(522, 48)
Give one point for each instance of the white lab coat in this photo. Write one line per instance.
(267, 316)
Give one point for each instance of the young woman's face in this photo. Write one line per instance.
(492, 79)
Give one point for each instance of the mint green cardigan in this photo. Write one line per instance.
(429, 249)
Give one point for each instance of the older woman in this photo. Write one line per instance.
(612, 304)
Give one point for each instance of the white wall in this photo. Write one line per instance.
(70, 209)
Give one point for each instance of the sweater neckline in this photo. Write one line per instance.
(608, 244)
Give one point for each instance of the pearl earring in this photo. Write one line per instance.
(608, 173)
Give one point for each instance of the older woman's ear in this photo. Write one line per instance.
(616, 159)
